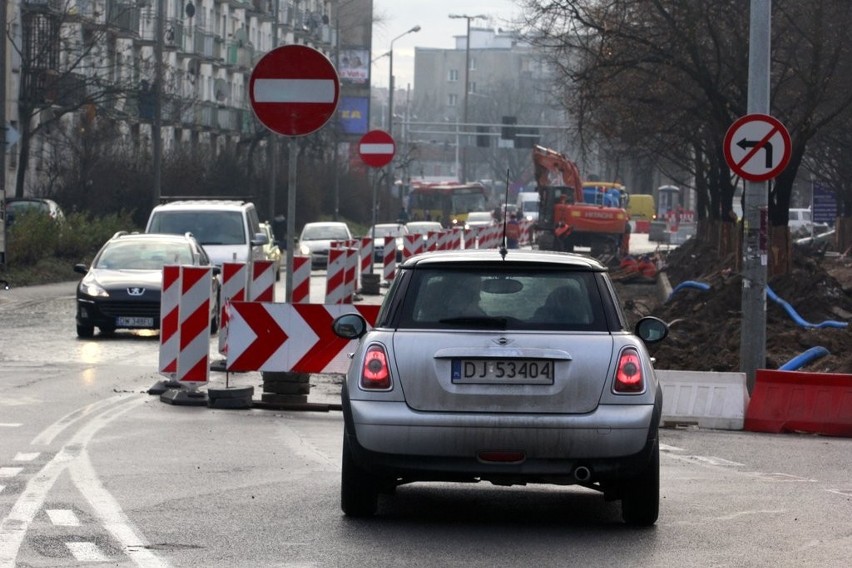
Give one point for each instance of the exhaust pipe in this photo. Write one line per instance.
(582, 473)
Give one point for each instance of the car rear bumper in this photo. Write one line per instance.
(391, 439)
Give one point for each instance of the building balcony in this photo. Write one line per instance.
(263, 10)
(122, 18)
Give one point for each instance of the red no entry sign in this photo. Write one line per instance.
(377, 148)
(294, 90)
(757, 147)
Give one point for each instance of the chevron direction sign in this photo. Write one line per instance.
(289, 337)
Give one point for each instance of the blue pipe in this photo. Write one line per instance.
(804, 358)
(797, 318)
(689, 284)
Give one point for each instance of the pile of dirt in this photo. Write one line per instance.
(705, 325)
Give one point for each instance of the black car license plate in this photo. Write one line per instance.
(503, 371)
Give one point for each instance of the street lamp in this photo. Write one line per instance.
(390, 98)
(463, 177)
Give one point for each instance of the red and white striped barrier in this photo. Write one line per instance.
(351, 272)
(389, 269)
(411, 245)
(469, 239)
(194, 328)
(432, 239)
(290, 337)
(301, 280)
(335, 284)
(366, 254)
(456, 240)
(234, 284)
(262, 286)
(169, 321)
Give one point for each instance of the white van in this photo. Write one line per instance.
(528, 205)
(229, 230)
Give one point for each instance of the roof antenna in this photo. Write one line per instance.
(504, 243)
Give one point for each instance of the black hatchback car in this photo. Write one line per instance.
(122, 287)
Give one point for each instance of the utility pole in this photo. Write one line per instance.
(157, 124)
(3, 39)
(756, 214)
(463, 176)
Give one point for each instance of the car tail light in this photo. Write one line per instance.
(375, 374)
(628, 373)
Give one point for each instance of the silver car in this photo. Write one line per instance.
(316, 239)
(512, 368)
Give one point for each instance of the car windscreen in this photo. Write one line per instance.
(523, 299)
(324, 233)
(209, 227)
(131, 255)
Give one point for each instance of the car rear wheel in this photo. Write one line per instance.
(85, 331)
(640, 502)
(359, 492)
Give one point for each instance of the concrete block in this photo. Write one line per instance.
(710, 400)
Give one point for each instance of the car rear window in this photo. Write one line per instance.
(506, 299)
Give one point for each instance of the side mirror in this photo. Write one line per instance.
(349, 326)
(651, 329)
(259, 239)
(81, 268)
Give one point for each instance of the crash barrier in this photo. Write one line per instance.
(642, 226)
(290, 337)
(792, 401)
(707, 399)
(389, 261)
(335, 284)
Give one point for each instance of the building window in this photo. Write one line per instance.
(452, 100)
(472, 66)
(453, 75)
(471, 87)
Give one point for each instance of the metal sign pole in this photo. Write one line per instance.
(291, 215)
(755, 214)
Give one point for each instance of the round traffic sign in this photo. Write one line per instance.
(757, 147)
(294, 90)
(377, 148)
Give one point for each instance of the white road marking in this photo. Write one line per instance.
(21, 457)
(2, 487)
(63, 517)
(10, 424)
(668, 448)
(48, 434)
(10, 471)
(14, 527)
(86, 552)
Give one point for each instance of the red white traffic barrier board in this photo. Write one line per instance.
(169, 321)
(301, 280)
(234, 284)
(432, 239)
(411, 245)
(351, 271)
(390, 259)
(194, 315)
(366, 254)
(262, 286)
(469, 239)
(290, 337)
(335, 284)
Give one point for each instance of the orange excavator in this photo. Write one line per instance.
(568, 218)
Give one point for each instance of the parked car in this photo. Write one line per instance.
(382, 230)
(316, 239)
(19, 206)
(477, 219)
(801, 223)
(122, 287)
(423, 227)
(512, 370)
(228, 229)
(271, 250)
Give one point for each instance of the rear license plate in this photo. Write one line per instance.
(503, 371)
(134, 322)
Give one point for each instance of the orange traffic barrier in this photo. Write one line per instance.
(791, 401)
(642, 226)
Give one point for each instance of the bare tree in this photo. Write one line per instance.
(666, 78)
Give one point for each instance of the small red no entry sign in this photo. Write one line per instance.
(377, 148)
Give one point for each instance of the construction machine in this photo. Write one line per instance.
(568, 219)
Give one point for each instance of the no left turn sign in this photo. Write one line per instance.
(757, 147)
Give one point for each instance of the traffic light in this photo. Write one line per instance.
(526, 137)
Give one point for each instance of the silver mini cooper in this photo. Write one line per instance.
(512, 368)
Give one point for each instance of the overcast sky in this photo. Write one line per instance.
(395, 17)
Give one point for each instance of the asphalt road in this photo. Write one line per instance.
(93, 470)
